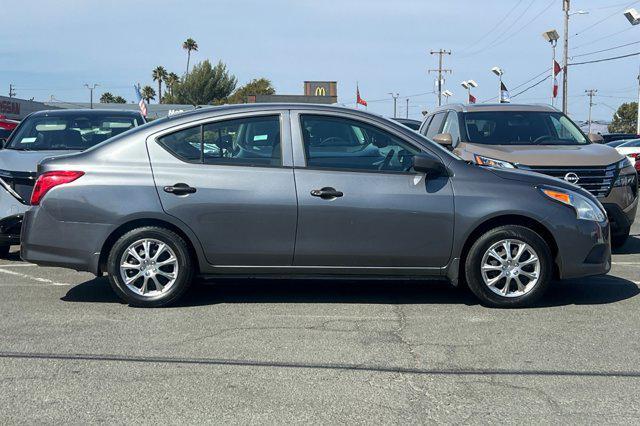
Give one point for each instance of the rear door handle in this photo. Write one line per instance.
(327, 193)
(179, 189)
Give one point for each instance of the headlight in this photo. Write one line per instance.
(584, 207)
(625, 162)
(491, 162)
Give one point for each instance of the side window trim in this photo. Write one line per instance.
(285, 137)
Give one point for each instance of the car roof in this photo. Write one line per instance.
(86, 112)
(496, 107)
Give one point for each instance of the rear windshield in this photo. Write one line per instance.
(73, 132)
(522, 128)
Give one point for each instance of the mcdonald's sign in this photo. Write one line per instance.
(321, 88)
(321, 91)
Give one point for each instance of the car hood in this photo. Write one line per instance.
(549, 155)
(26, 161)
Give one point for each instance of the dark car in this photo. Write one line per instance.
(46, 134)
(412, 124)
(266, 190)
(611, 137)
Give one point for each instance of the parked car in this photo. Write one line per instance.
(412, 124)
(6, 127)
(305, 190)
(611, 137)
(617, 143)
(541, 139)
(45, 134)
(632, 150)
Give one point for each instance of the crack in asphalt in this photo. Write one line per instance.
(315, 366)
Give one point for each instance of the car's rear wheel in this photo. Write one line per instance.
(509, 266)
(150, 267)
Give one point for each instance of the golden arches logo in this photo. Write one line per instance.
(321, 91)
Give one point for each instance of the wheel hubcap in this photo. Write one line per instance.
(510, 268)
(149, 267)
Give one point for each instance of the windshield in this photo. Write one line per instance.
(69, 132)
(522, 128)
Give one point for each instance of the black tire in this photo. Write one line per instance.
(473, 264)
(618, 240)
(4, 251)
(185, 267)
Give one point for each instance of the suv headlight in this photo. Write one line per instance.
(625, 162)
(492, 162)
(583, 206)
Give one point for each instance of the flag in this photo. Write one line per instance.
(359, 100)
(504, 94)
(141, 103)
(472, 99)
(555, 87)
(556, 68)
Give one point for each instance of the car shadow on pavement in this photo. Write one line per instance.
(586, 291)
(631, 246)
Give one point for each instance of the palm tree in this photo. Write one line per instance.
(106, 98)
(170, 80)
(189, 45)
(159, 74)
(148, 93)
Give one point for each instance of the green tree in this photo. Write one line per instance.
(148, 94)
(119, 100)
(205, 85)
(189, 45)
(159, 74)
(258, 86)
(171, 79)
(624, 120)
(106, 98)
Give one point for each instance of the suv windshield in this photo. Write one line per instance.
(69, 132)
(522, 128)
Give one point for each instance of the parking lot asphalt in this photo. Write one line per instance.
(267, 351)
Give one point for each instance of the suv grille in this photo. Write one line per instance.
(18, 184)
(598, 180)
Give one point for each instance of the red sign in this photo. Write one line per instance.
(8, 107)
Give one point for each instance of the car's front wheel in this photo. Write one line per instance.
(509, 266)
(150, 267)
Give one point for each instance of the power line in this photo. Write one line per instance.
(497, 25)
(580, 46)
(532, 86)
(606, 18)
(605, 59)
(605, 50)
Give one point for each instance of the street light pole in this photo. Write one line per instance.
(591, 93)
(395, 103)
(91, 88)
(552, 37)
(566, 5)
(407, 108)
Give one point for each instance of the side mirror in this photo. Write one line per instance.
(443, 139)
(595, 138)
(427, 163)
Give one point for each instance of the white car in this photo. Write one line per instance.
(630, 148)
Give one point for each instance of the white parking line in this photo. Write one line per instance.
(626, 263)
(17, 264)
(31, 277)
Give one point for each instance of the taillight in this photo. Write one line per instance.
(48, 180)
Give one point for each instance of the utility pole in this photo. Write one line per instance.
(566, 5)
(440, 70)
(12, 91)
(395, 103)
(407, 115)
(91, 88)
(591, 93)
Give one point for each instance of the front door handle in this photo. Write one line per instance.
(179, 189)
(327, 193)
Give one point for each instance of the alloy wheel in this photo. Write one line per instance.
(149, 267)
(510, 268)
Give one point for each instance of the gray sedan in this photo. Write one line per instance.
(304, 190)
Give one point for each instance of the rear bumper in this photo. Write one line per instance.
(48, 242)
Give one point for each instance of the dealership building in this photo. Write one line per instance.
(315, 92)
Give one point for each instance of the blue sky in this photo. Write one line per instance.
(51, 48)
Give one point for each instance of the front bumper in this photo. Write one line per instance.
(584, 250)
(621, 205)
